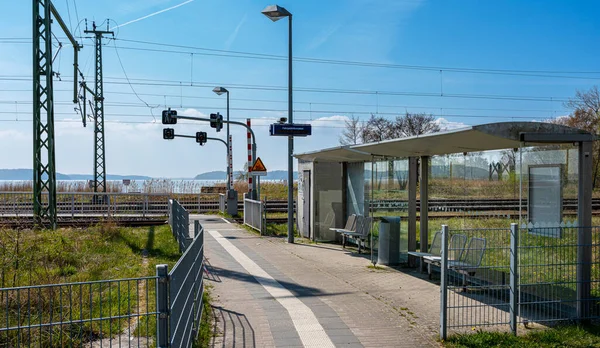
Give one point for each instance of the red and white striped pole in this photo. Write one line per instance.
(230, 162)
(248, 123)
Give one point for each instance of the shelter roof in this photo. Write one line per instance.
(485, 137)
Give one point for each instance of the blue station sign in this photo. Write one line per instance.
(290, 129)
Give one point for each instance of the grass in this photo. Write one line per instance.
(102, 252)
(279, 230)
(205, 332)
(72, 255)
(567, 336)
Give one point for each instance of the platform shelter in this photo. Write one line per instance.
(337, 182)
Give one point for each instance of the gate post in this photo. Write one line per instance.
(162, 306)
(444, 284)
(514, 276)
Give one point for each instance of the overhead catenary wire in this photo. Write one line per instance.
(131, 86)
(545, 74)
(177, 84)
(306, 111)
(180, 96)
(252, 55)
(322, 120)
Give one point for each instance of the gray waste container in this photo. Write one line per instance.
(389, 241)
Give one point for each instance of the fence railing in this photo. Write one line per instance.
(71, 204)
(254, 214)
(97, 313)
(162, 310)
(88, 203)
(222, 203)
(179, 296)
(503, 277)
(179, 220)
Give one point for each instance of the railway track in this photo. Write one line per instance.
(83, 221)
(448, 205)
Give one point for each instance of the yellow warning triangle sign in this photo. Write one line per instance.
(259, 166)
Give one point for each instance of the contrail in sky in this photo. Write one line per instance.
(152, 14)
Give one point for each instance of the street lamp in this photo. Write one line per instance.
(221, 91)
(275, 13)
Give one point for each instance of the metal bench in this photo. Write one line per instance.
(434, 250)
(349, 227)
(455, 251)
(363, 228)
(469, 260)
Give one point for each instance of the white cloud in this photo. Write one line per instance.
(193, 113)
(330, 121)
(324, 36)
(235, 32)
(12, 134)
(446, 125)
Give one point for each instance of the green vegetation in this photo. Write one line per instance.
(567, 336)
(279, 230)
(104, 251)
(205, 332)
(75, 255)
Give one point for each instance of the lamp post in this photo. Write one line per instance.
(221, 91)
(275, 13)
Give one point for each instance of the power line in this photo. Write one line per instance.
(545, 74)
(69, 14)
(179, 84)
(180, 96)
(273, 119)
(129, 82)
(253, 55)
(341, 112)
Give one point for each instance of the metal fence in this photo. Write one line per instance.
(254, 214)
(72, 204)
(179, 297)
(100, 313)
(222, 203)
(179, 220)
(518, 275)
(88, 203)
(162, 310)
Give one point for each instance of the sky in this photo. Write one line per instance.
(464, 61)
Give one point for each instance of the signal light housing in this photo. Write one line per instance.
(216, 121)
(201, 138)
(168, 133)
(169, 117)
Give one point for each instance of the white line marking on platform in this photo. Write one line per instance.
(308, 327)
(225, 220)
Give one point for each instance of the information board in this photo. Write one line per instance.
(545, 199)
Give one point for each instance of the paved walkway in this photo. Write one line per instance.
(267, 293)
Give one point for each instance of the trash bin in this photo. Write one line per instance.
(389, 241)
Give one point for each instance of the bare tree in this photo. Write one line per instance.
(243, 174)
(377, 128)
(352, 133)
(586, 101)
(415, 124)
(586, 116)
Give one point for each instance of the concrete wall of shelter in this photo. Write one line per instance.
(328, 185)
(303, 196)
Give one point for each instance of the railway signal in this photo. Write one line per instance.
(201, 138)
(216, 121)
(169, 116)
(168, 133)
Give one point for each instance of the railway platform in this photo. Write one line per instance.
(268, 293)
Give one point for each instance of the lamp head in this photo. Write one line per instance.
(275, 12)
(220, 90)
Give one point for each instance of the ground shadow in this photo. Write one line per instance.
(209, 272)
(236, 329)
(296, 289)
